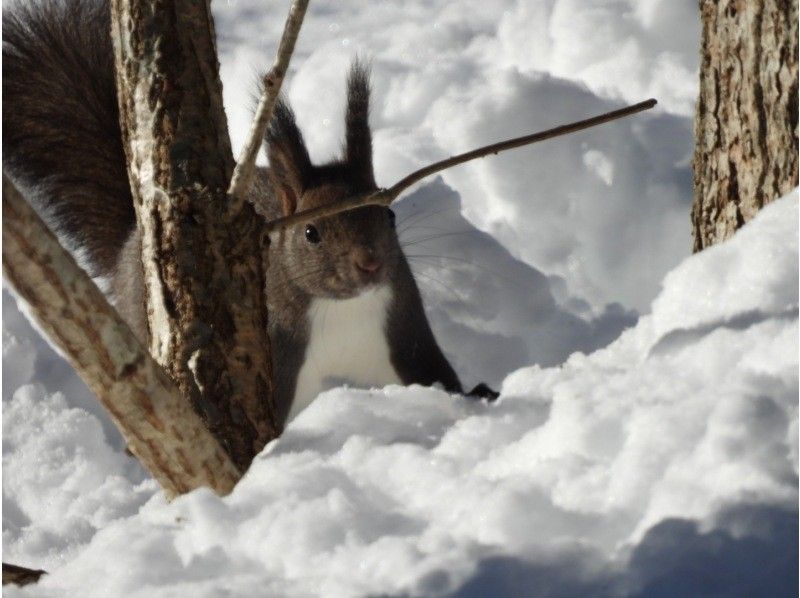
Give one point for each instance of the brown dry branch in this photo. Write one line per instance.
(203, 255)
(387, 196)
(243, 173)
(158, 424)
(20, 576)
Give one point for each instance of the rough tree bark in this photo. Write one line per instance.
(158, 424)
(746, 136)
(204, 254)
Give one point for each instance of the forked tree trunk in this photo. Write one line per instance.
(746, 120)
(204, 256)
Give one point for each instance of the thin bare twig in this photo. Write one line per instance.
(243, 173)
(386, 196)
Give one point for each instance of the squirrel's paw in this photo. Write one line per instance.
(482, 391)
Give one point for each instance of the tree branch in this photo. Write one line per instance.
(387, 196)
(159, 425)
(20, 576)
(243, 173)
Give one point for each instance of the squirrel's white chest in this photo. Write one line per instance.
(347, 344)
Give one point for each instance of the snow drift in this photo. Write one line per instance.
(663, 464)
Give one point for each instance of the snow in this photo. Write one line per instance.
(491, 312)
(646, 439)
(59, 472)
(627, 471)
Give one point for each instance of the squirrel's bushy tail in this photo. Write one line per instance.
(61, 136)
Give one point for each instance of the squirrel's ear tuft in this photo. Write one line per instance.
(358, 147)
(289, 164)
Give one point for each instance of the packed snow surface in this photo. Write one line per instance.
(663, 464)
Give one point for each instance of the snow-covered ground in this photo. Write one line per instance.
(661, 462)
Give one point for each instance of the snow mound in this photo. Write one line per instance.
(663, 464)
(492, 313)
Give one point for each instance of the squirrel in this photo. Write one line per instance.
(342, 301)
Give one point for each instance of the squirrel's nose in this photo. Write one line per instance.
(366, 261)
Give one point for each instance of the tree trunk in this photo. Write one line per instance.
(158, 424)
(204, 255)
(746, 121)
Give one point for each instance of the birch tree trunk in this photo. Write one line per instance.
(204, 255)
(746, 120)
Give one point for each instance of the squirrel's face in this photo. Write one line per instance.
(337, 256)
(342, 255)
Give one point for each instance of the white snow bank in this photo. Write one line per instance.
(664, 464)
(59, 473)
(492, 313)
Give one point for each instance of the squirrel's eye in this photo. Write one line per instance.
(391, 217)
(312, 234)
